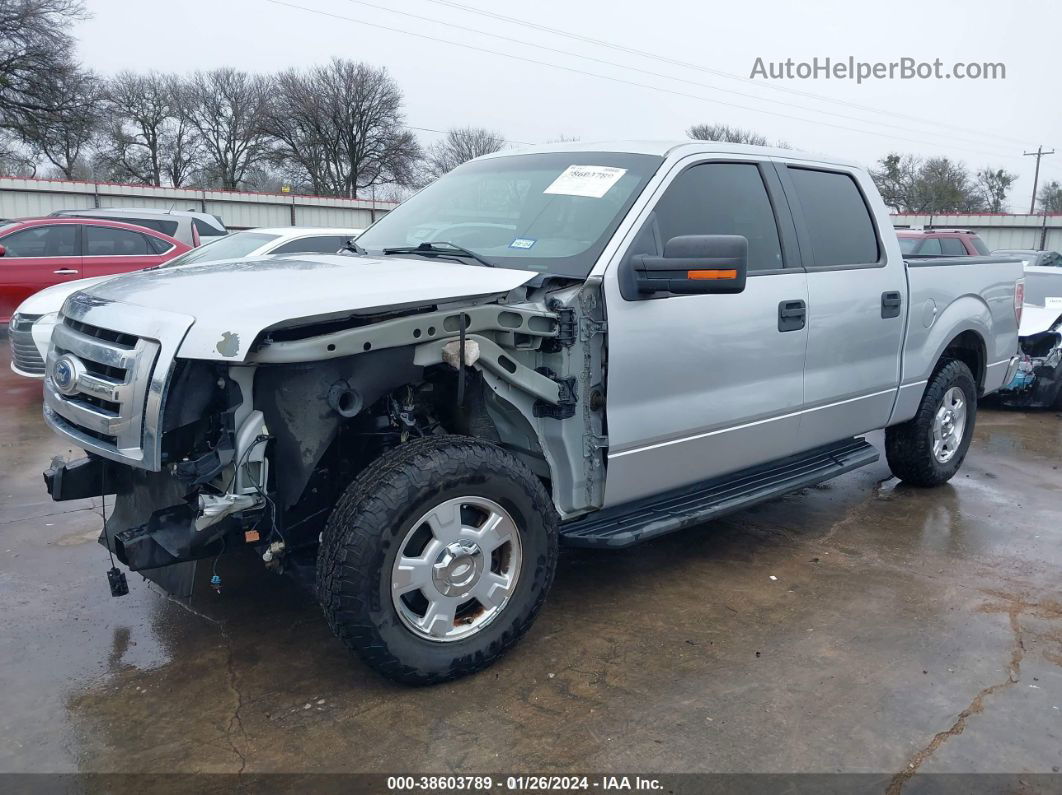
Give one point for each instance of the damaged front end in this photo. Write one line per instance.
(210, 484)
(204, 455)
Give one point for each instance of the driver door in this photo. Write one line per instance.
(705, 385)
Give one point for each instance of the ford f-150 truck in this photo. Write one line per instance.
(581, 344)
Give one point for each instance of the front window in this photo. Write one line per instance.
(233, 246)
(551, 213)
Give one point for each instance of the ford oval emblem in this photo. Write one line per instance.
(65, 373)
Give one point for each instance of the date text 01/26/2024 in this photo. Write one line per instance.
(525, 783)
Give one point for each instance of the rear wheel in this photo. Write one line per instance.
(437, 558)
(928, 449)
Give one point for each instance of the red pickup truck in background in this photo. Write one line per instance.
(941, 243)
(38, 252)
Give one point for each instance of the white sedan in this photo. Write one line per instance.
(31, 326)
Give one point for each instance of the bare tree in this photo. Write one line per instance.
(145, 138)
(460, 145)
(1050, 197)
(341, 125)
(726, 133)
(936, 185)
(35, 46)
(226, 108)
(63, 130)
(15, 161)
(993, 184)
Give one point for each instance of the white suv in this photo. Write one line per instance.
(191, 228)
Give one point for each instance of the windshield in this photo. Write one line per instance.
(239, 244)
(551, 213)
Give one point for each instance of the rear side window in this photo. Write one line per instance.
(722, 199)
(930, 247)
(952, 247)
(837, 218)
(318, 244)
(206, 230)
(157, 245)
(979, 245)
(104, 241)
(58, 240)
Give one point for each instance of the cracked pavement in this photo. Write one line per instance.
(860, 626)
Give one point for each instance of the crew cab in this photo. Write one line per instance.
(583, 344)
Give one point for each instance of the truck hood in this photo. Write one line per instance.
(233, 302)
(51, 299)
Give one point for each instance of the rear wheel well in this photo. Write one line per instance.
(969, 349)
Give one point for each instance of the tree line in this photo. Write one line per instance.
(332, 129)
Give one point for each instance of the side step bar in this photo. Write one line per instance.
(641, 520)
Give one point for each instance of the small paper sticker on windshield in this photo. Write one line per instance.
(1053, 302)
(590, 181)
(522, 242)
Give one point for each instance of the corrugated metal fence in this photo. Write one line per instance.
(1002, 230)
(21, 198)
(243, 210)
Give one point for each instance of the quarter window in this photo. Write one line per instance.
(57, 240)
(722, 199)
(837, 218)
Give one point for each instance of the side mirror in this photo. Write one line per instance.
(3, 251)
(694, 264)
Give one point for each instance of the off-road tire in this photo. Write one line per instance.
(368, 523)
(909, 446)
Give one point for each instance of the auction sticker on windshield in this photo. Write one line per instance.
(590, 181)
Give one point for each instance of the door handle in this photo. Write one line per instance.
(792, 315)
(66, 272)
(891, 301)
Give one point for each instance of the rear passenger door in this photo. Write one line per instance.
(856, 309)
(111, 250)
(706, 385)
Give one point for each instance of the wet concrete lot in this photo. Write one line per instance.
(861, 626)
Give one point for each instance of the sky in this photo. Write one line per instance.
(645, 70)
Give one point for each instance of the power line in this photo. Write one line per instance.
(701, 68)
(446, 132)
(644, 71)
(614, 79)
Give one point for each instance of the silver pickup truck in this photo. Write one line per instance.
(581, 344)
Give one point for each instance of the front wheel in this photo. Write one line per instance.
(437, 558)
(928, 449)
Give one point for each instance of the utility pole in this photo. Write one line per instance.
(1036, 176)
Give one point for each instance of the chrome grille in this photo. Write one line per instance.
(103, 405)
(24, 354)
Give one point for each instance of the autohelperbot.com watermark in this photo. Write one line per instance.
(850, 68)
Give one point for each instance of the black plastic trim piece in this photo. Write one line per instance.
(641, 520)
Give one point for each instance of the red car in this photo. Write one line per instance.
(38, 252)
(941, 243)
